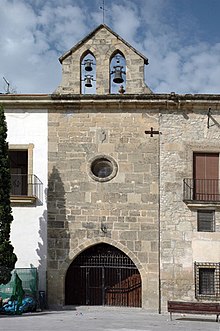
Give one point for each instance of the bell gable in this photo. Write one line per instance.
(100, 63)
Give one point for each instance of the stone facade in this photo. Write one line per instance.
(185, 131)
(78, 205)
(143, 206)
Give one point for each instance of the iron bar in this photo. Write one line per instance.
(26, 185)
(103, 276)
(201, 189)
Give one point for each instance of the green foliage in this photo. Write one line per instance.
(7, 256)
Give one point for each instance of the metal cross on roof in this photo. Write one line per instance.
(103, 10)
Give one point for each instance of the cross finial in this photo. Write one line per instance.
(103, 10)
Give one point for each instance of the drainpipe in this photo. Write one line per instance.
(159, 226)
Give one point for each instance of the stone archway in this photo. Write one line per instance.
(103, 275)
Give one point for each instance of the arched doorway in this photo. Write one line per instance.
(103, 275)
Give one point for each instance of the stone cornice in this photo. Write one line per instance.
(115, 102)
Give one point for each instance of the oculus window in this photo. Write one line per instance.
(103, 168)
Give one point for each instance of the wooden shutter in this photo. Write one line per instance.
(206, 175)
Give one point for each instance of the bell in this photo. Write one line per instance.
(88, 65)
(118, 75)
(88, 81)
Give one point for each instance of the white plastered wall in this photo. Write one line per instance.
(28, 229)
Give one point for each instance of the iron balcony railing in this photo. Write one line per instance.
(201, 190)
(26, 186)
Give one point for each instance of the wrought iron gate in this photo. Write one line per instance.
(103, 275)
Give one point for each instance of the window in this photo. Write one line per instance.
(206, 176)
(207, 280)
(103, 168)
(25, 186)
(206, 220)
(203, 187)
(19, 171)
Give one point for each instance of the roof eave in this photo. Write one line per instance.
(81, 42)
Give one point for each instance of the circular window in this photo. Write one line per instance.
(103, 168)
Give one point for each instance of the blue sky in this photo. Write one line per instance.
(180, 38)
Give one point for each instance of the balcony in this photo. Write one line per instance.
(201, 190)
(25, 188)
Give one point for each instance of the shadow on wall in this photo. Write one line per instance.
(42, 249)
(57, 234)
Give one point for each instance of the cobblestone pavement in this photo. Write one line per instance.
(108, 319)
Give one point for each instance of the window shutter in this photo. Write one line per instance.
(205, 220)
(206, 175)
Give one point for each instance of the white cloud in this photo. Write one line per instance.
(193, 69)
(35, 33)
(125, 20)
(63, 26)
(31, 41)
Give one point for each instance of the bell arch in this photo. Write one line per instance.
(103, 274)
(117, 72)
(88, 73)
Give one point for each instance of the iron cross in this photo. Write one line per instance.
(103, 11)
(151, 132)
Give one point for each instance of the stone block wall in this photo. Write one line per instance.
(182, 133)
(78, 205)
(142, 203)
(103, 45)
